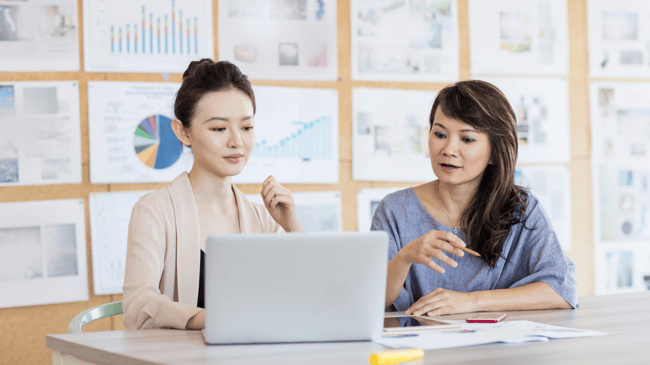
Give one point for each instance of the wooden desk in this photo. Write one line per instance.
(625, 316)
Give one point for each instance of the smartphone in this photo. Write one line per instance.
(487, 318)
(410, 323)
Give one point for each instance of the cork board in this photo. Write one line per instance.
(23, 330)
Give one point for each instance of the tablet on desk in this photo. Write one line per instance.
(393, 323)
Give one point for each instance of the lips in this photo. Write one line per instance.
(449, 166)
(238, 155)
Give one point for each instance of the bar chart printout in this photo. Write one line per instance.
(146, 35)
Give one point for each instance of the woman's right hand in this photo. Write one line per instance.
(431, 245)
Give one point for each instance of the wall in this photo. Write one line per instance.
(23, 330)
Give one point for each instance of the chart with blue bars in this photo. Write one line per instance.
(147, 35)
(312, 140)
(170, 34)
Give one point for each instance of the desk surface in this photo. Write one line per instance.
(625, 316)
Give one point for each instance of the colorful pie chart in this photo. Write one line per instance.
(155, 142)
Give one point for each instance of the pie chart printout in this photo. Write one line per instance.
(155, 143)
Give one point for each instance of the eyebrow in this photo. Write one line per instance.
(462, 130)
(226, 119)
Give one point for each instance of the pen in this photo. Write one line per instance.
(396, 335)
(395, 357)
(469, 251)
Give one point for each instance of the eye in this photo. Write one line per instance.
(247, 129)
(217, 129)
(439, 134)
(468, 139)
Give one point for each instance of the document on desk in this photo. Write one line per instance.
(471, 334)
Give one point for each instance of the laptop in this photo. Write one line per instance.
(295, 287)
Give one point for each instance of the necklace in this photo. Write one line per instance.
(443, 208)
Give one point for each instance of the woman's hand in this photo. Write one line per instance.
(443, 301)
(431, 245)
(280, 204)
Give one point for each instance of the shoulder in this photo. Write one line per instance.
(535, 218)
(400, 198)
(398, 206)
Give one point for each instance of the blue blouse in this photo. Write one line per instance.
(533, 252)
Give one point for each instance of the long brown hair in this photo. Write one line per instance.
(499, 203)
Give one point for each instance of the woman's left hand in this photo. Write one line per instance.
(443, 301)
(280, 204)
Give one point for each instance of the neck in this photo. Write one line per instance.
(455, 198)
(210, 190)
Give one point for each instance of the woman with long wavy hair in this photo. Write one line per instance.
(474, 203)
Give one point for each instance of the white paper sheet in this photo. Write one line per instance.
(620, 121)
(39, 35)
(131, 139)
(471, 334)
(317, 211)
(40, 141)
(542, 109)
(390, 134)
(619, 38)
(110, 214)
(367, 202)
(395, 40)
(622, 267)
(518, 37)
(297, 137)
(552, 187)
(42, 253)
(280, 39)
(146, 35)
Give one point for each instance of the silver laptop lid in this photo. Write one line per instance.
(296, 287)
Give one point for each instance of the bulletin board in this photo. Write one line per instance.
(23, 329)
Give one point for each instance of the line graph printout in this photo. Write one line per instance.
(110, 214)
(390, 134)
(280, 39)
(367, 202)
(131, 139)
(43, 253)
(542, 109)
(317, 211)
(395, 40)
(620, 121)
(39, 35)
(40, 138)
(619, 38)
(552, 187)
(146, 35)
(518, 37)
(297, 137)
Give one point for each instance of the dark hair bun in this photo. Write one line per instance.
(194, 65)
(204, 76)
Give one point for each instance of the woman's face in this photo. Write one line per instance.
(459, 153)
(221, 133)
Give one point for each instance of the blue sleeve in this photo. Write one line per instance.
(540, 258)
(384, 220)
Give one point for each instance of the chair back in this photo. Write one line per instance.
(93, 314)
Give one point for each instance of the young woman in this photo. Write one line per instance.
(474, 203)
(163, 283)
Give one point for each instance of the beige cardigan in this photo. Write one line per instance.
(161, 282)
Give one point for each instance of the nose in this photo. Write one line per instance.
(234, 140)
(450, 147)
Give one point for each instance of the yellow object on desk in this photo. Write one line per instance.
(395, 357)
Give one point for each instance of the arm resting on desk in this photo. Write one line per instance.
(533, 296)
